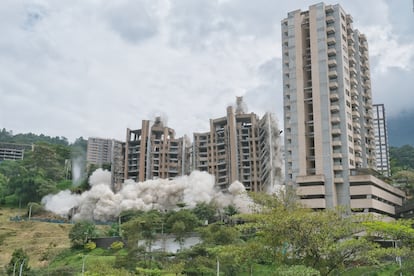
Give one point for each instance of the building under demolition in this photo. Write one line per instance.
(153, 152)
(240, 147)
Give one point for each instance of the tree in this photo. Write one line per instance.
(204, 211)
(402, 157)
(48, 158)
(3, 187)
(219, 234)
(401, 234)
(230, 210)
(324, 240)
(142, 227)
(19, 260)
(405, 180)
(179, 230)
(81, 232)
(188, 218)
(35, 176)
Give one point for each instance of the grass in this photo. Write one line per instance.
(41, 241)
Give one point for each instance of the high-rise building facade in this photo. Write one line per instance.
(240, 147)
(109, 152)
(99, 151)
(328, 118)
(381, 140)
(154, 152)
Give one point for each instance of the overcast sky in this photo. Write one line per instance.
(93, 68)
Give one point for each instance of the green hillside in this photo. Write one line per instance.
(42, 241)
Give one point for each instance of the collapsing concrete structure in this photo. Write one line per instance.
(240, 147)
(154, 152)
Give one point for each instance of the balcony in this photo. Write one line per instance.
(358, 159)
(357, 148)
(364, 46)
(336, 131)
(336, 143)
(332, 74)
(353, 81)
(355, 102)
(369, 114)
(366, 74)
(355, 114)
(331, 52)
(354, 92)
(331, 41)
(330, 19)
(330, 30)
(337, 167)
(329, 9)
(335, 119)
(332, 63)
(333, 85)
(334, 96)
(335, 108)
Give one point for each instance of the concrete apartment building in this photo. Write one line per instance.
(153, 152)
(328, 113)
(99, 151)
(381, 140)
(11, 151)
(241, 147)
(102, 151)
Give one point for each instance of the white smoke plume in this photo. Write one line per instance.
(77, 169)
(101, 203)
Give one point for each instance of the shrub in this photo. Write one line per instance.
(117, 245)
(90, 245)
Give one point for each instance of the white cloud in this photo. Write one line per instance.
(386, 47)
(93, 68)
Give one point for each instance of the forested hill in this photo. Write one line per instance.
(6, 136)
(402, 157)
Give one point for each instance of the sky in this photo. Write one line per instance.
(93, 68)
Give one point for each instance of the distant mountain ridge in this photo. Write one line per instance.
(401, 130)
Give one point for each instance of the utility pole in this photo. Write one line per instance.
(218, 267)
(83, 264)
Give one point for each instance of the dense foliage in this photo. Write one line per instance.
(402, 158)
(81, 232)
(278, 238)
(31, 138)
(45, 169)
